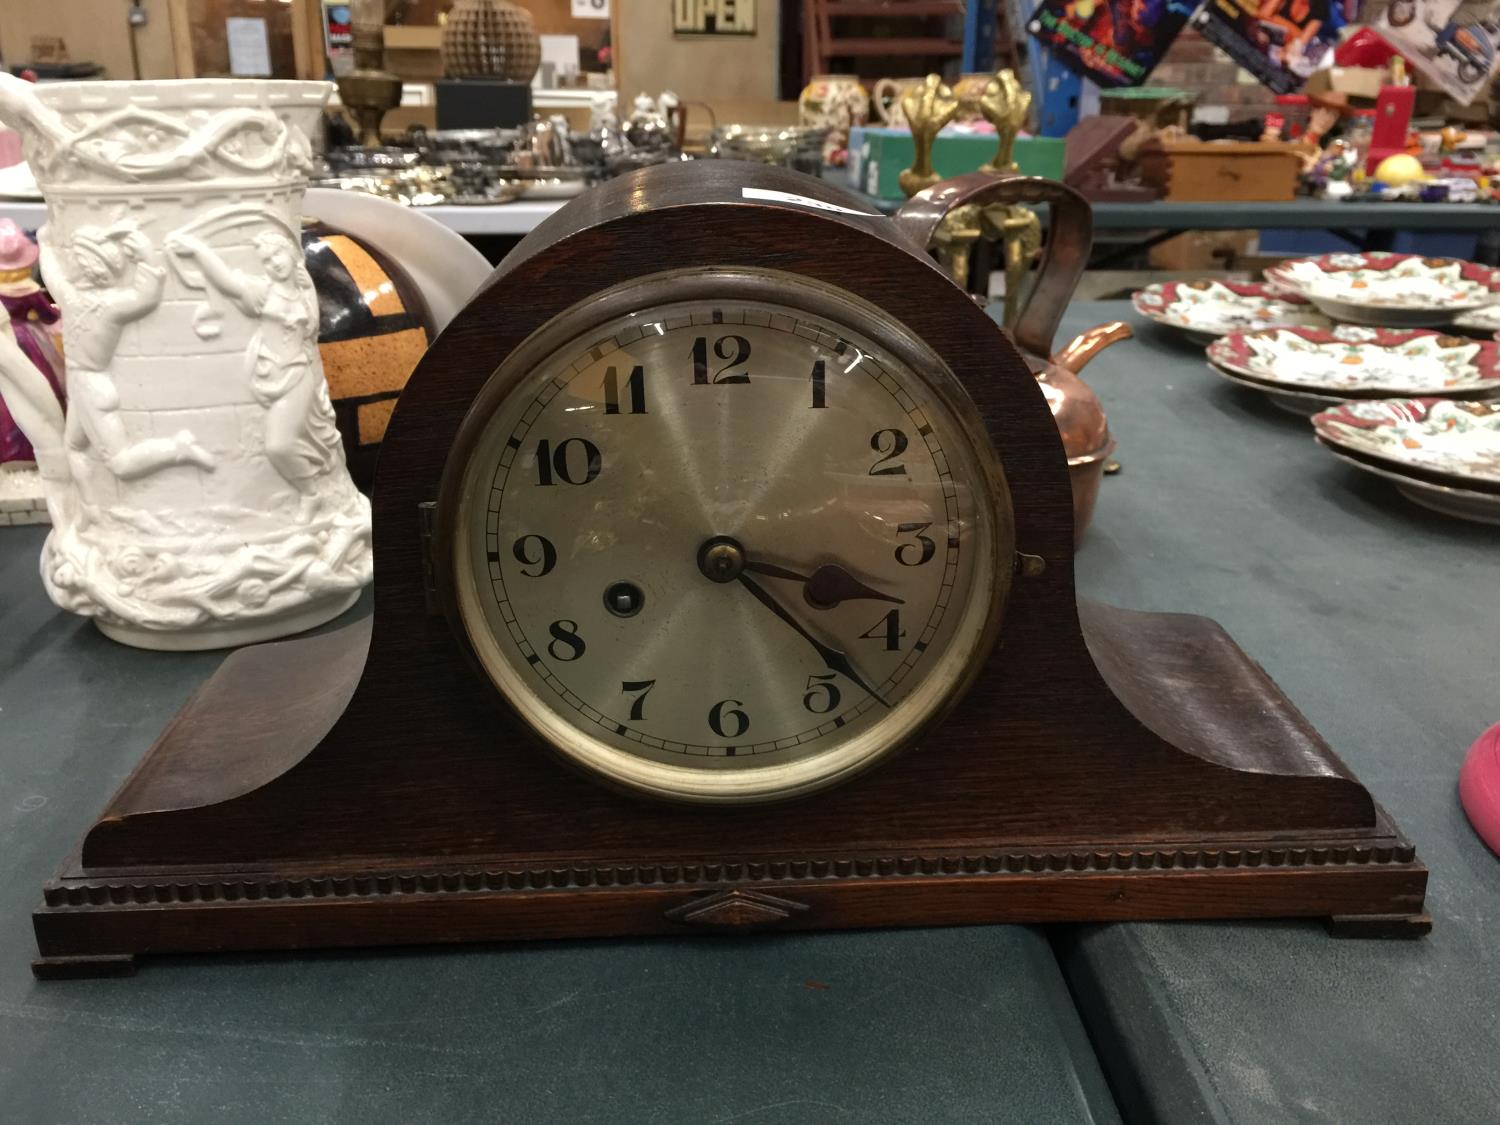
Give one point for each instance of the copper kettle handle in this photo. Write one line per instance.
(1070, 237)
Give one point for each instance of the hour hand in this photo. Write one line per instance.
(827, 586)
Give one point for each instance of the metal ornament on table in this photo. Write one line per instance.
(927, 108)
(1006, 106)
(798, 147)
(196, 484)
(369, 91)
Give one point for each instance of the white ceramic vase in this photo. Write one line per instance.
(197, 485)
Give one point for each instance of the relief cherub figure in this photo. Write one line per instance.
(110, 280)
(301, 437)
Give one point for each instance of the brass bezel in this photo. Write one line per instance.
(933, 699)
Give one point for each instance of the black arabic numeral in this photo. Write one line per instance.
(635, 386)
(638, 705)
(818, 389)
(897, 447)
(546, 558)
(565, 633)
(928, 547)
(820, 688)
(717, 716)
(887, 629)
(734, 350)
(552, 463)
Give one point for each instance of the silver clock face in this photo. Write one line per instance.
(728, 548)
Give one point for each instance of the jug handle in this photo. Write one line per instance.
(1070, 237)
(23, 111)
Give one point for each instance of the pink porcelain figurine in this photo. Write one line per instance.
(32, 317)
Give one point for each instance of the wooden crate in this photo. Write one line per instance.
(1188, 170)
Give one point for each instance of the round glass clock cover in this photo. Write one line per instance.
(727, 538)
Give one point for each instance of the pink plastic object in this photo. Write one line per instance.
(1479, 787)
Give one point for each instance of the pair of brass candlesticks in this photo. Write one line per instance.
(1005, 105)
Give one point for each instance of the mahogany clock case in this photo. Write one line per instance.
(367, 787)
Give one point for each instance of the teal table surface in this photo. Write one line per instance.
(968, 1024)
(1381, 621)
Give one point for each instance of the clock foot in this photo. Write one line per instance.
(1380, 925)
(84, 966)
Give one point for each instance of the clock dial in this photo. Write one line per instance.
(729, 548)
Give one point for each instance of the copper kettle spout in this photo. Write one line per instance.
(1076, 355)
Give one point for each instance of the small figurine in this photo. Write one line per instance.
(31, 313)
(1341, 166)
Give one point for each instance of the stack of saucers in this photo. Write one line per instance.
(1306, 370)
(1441, 453)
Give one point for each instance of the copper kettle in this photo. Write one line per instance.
(1079, 416)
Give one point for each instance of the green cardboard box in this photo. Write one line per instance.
(877, 157)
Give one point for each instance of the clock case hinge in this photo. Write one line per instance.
(427, 528)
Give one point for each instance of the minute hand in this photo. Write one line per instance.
(832, 657)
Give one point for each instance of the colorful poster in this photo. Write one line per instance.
(1113, 42)
(1281, 42)
(1451, 47)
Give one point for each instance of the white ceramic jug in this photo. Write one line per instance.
(196, 485)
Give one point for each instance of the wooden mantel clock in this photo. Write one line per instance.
(723, 581)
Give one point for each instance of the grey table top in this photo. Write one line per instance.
(1306, 214)
(1303, 214)
(1382, 622)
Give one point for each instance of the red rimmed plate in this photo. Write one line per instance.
(1206, 310)
(1457, 440)
(1395, 290)
(1351, 361)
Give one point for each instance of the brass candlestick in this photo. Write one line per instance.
(928, 108)
(1005, 105)
(1019, 231)
(369, 91)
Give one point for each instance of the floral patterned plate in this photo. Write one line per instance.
(1352, 361)
(1395, 290)
(1486, 319)
(1206, 310)
(1460, 440)
(1297, 402)
(1482, 507)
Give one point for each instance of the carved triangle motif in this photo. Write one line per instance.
(736, 910)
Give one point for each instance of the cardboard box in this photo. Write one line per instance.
(877, 157)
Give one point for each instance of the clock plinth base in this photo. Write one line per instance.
(324, 892)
